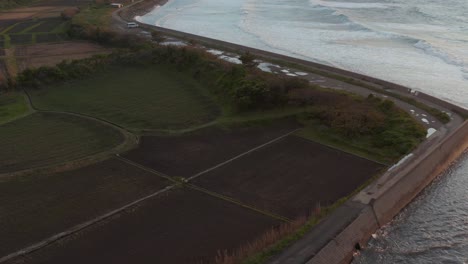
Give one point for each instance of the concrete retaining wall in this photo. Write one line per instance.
(423, 170)
(341, 248)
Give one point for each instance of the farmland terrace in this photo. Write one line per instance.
(260, 178)
(157, 156)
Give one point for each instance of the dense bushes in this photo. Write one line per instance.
(65, 71)
(106, 37)
(236, 87)
(371, 123)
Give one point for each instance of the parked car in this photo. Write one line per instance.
(116, 5)
(132, 25)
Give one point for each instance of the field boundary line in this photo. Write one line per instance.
(241, 155)
(341, 150)
(147, 169)
(206, 191)
(234, 201)
(79, 227)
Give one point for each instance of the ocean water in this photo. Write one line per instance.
(422, 44)
(432, 229)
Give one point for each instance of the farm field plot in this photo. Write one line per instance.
(182, 226)
(45, 139)
(136, 98)
(34, 56)
(12, 105)
(35, 207)
(19, 27)
(50, 37)
(21, 39)
(290, 177)
(47, 25)
(185, 155)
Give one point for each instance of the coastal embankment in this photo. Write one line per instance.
(345, 230)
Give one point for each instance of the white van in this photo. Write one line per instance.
(116, 5)
(132, 25)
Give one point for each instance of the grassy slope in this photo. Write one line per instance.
(137, 98)
(94, 15)
(44, 139)
(12, 106)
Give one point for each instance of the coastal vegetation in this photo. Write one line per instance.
(204, 88)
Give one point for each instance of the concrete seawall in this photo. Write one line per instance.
(382, 200)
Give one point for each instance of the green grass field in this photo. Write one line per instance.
(12, 106)
(94, 15)
(136, 98)
(45, 139)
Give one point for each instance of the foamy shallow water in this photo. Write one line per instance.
(422, 44)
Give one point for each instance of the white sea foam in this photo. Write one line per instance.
(350, 5)
(230, 59)
(215, 52)
(265, 66)
(430, 132)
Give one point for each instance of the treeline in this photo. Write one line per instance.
(236, 87)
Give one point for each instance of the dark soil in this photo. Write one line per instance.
(181, 227)
(4, 24)
(290, 177)
(22, 26)
(183, 156)
(47, 25)
(35, 207)
(21, 39)
(46, 38)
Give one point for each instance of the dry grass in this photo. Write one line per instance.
(267, 240)
(272, 237)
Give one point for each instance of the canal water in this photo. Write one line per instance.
(422, 44)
